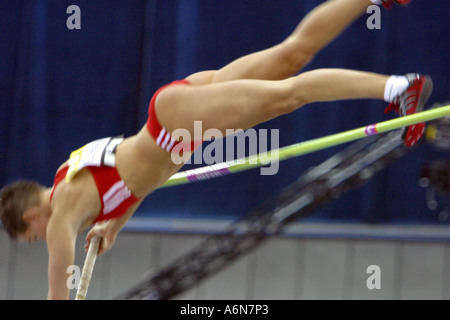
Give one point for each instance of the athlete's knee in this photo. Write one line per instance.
(297, 54)
(289, 98)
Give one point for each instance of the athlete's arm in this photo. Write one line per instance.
(109, 230)
(61, 237)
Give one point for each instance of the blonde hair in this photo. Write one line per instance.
(15, 199)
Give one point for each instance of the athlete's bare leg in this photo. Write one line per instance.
(319, 28)
(246, 103)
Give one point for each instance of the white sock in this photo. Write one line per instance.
(377, 2)
(395, 86)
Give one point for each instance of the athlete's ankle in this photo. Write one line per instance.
(395, 86)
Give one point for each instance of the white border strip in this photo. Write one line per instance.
(298, 230)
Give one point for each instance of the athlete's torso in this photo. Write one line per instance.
(143, 165)
(94, 165)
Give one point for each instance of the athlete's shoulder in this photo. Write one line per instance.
(77, 200)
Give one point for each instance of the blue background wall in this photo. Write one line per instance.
(62, 88)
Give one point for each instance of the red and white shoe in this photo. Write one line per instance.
(389, 3)
(410, 102)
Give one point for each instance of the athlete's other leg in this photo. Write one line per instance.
(317, 29)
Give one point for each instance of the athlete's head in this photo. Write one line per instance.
(22, 214)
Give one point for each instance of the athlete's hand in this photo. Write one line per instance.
(107, 238)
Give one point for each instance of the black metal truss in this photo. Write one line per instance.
(320, 185)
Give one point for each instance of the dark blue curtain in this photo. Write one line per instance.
(62, 88)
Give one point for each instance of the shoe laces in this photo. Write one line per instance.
(407, 100)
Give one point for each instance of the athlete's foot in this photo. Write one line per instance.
(410, 102)
(389, 3)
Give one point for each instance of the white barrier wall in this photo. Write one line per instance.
(282, 268)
